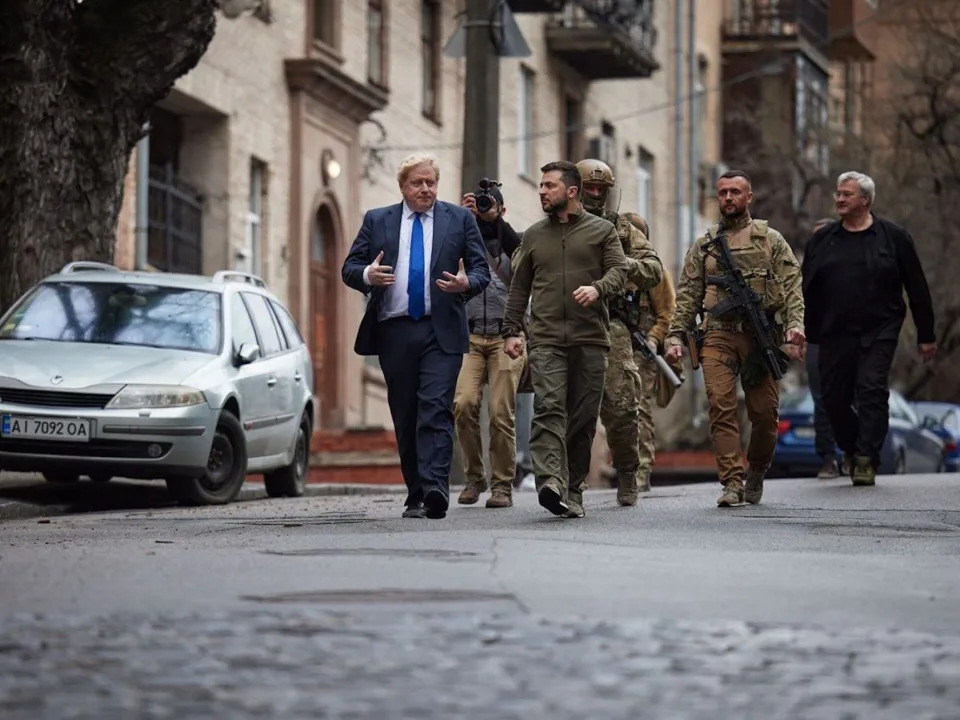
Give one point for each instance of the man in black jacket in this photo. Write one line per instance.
(854, 274)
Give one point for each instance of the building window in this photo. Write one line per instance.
(645, 186)
(525, 122)
(251, 260)
(430, 57)
(376, 43)
(573, 128)
(324, 22)
(604, 147)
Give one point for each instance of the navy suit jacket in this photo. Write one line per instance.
(455, 236)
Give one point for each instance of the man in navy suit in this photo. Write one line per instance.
(420, 261)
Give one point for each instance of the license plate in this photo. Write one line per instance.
(18, 426)
(804, 432)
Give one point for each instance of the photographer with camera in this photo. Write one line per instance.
(486, 361)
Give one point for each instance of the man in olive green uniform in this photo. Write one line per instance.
(623, 387)
(567, 266)
(657, 306)
(729, 348)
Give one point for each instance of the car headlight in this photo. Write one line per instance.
(156, 396)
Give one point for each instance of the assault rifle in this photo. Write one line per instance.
(639, 339)
(745, 299)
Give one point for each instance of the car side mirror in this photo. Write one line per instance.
(248, 353)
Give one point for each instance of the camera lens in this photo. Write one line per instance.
(484, 203)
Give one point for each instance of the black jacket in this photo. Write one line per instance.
(893, 262)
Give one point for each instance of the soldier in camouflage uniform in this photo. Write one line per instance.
(656, 310)
(623, 387)
(728, 348)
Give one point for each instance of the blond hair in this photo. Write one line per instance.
(412, 161)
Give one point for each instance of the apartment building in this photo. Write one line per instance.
(265, 156)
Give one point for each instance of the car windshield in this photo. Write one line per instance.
(118, 314)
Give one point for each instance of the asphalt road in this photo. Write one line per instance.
(825, 601)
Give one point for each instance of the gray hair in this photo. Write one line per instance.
(412, 161)
(868, 188)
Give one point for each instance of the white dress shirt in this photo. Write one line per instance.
(396, 301)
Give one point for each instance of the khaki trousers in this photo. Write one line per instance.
(721, 358)
(621, 399)
(487, 364)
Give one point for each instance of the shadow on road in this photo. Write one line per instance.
(86, 496)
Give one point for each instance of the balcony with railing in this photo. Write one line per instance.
(604, 39)
(777, 20)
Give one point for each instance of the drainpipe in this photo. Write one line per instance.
(678, 136)
(692, 154)
(143, 203)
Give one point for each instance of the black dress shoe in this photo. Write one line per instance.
(435, 503)
(415, 511)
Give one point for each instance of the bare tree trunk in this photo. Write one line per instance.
(77, 82)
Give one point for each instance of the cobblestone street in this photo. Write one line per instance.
(337, 665)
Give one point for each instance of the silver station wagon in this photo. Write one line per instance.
(190, 379)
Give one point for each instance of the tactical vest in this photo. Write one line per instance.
(753, 253)
(627, 306)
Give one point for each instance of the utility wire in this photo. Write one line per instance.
(765, 69)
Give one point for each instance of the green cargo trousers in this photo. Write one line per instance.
(567, 387)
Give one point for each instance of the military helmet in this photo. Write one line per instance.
(595, 171)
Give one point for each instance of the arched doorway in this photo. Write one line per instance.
(325, 239)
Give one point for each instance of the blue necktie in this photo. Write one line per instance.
(417, 306)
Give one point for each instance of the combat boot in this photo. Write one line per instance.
(847, 467)
(501, 496)
(732, 494)
(829, 469)
(643, 480)
(752, 486)
(575, 503)
(471, 493)
(627, 487)
(863, 471)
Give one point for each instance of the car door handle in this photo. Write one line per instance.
(297, 377)
(271, 381)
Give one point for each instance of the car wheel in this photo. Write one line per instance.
(290, 481)
(900, 467)
(226, 468)
(101, 477)
(61, 476)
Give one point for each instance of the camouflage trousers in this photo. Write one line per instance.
(721, 358)
(648, 396)
(567, 387)
(620, 408)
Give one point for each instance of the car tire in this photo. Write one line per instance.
(226, 468)
(61, 476)
(291, 480)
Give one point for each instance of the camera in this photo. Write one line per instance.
(487, 194)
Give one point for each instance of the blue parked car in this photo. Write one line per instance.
(944, 420)
(910, 447)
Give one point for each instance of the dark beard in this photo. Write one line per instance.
(558, 207)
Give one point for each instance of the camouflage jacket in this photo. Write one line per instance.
(769, 266)
(644, 272)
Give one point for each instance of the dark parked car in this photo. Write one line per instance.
(910, 447)
(944, 420)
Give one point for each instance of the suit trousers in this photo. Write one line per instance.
(421, 379)
(855, 376)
